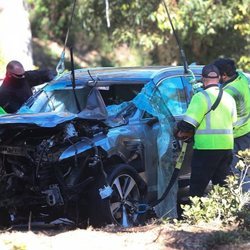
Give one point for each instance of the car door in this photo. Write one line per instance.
(177, 92)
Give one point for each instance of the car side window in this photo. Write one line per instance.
(174, 94)
(118, 93)
(118, 97)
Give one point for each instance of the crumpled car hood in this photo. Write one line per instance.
(48, 120)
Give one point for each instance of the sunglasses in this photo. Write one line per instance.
(17, 75)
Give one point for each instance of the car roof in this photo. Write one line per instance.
(123, 75)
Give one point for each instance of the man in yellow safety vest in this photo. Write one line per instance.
(210, 115)
(236, 84)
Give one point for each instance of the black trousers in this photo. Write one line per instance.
(209, 165)
(241, 143)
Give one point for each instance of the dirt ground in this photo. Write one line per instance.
(153, 236)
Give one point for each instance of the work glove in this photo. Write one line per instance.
(186, 136)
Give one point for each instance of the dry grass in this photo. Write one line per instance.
(153, 236)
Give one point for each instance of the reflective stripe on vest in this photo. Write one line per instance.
(214, 131)
(241, 120)
(191, 120)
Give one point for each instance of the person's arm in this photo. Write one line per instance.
(186, 128)
(37, 77)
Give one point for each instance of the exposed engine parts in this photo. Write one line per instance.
(34, 178)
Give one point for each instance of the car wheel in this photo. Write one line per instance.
(128, 190)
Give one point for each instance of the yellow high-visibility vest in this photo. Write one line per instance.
(239, 90)
(214, 129)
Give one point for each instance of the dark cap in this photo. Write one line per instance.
(210, 71)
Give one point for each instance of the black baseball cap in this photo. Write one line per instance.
(210, 71)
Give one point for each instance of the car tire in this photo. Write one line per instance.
(129, 189)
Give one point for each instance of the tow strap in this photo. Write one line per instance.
(143, 208)
(174, 175)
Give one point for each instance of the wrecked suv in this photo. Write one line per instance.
(88, 151)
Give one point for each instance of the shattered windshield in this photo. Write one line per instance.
(57, 100)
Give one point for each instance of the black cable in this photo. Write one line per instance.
(168, 188)
(183, 56)
(175, 174)
(73, 79)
